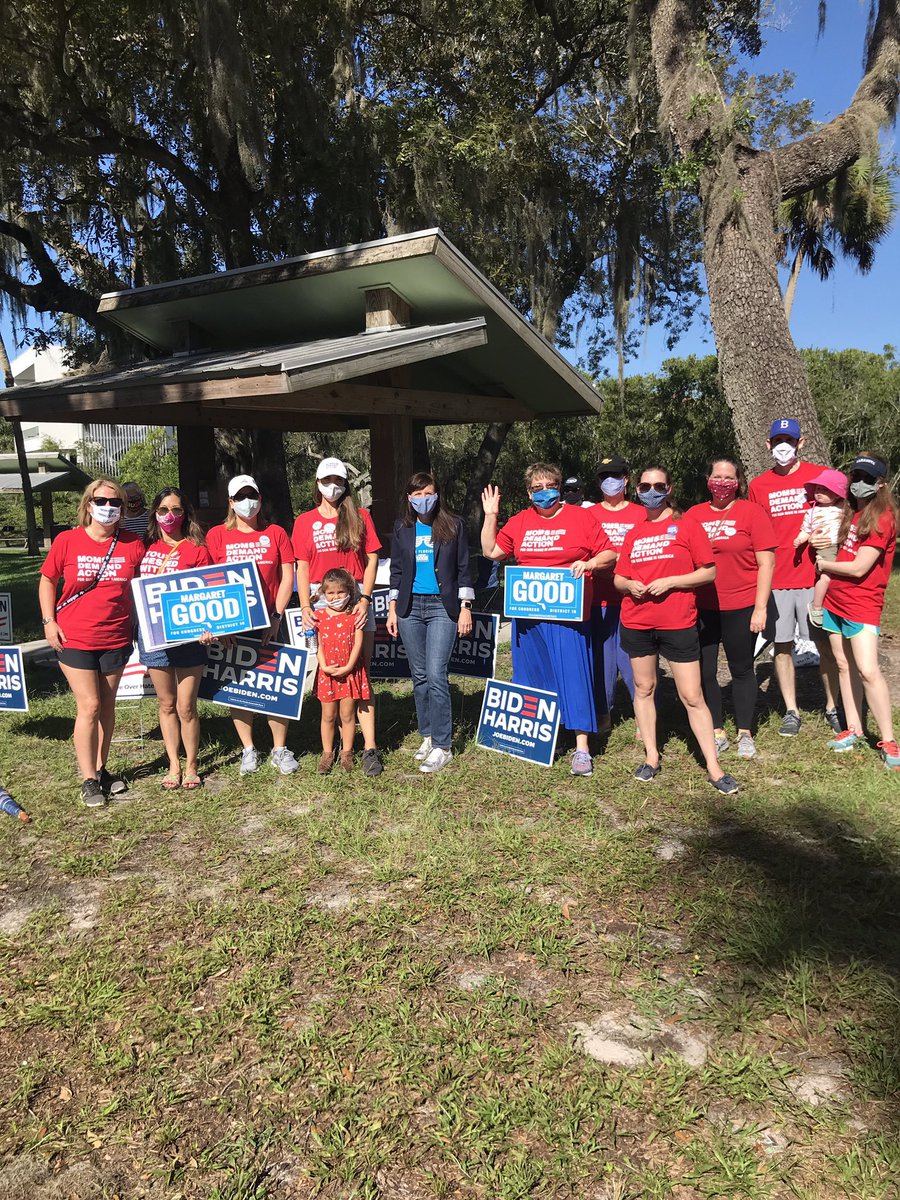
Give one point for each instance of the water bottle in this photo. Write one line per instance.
(312, 642)
(9, 806)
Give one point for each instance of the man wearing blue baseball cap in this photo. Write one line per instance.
(781, 492)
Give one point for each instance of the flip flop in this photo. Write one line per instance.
(191, 782)
(171, 783)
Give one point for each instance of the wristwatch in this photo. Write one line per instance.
(47, 620)
(363, 596)
(465, 604)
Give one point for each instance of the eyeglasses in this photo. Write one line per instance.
(246, 494)
(652, 487)
(572, 491)
(112, 501)
(176, 512)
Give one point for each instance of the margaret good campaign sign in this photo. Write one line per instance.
(545, 594)
(219, 610)
(148, 591)
(520, 721)
(13, 695)
(474, 656)
(264, 679)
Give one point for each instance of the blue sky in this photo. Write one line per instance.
(849, 309)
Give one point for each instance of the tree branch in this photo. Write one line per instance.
(53, 293)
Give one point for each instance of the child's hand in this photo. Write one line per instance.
(339, 672)
(801, 540)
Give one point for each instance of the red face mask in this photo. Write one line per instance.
(722, 489)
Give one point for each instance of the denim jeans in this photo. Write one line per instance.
(428, 635)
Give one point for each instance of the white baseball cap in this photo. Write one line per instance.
(331, 466)
(241, 481)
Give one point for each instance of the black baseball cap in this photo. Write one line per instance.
(572, 484)
(612, 464)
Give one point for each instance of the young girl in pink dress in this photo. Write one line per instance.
(342, 680)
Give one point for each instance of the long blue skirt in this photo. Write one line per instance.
(556, 656)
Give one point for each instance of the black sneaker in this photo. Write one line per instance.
(834, 719)
(92, 793)
(371, 763)
(790, 726)
(646, 773)
(112, 785)
(727, 785)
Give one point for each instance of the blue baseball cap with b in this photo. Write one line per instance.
(785, 427)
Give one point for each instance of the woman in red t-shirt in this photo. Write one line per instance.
(246, 535)
(175, 543)
(337, 534)
(660, 565)
(90, 624)
(734, 608)
(855, 600)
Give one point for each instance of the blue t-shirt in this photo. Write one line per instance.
(425, 582)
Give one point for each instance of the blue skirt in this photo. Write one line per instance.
(556, 656)
(190, 654)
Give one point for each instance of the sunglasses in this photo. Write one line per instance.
(572, 491)
(246, 494)
(112, 501)
(863, 477)
(652, 487)
(177, 512)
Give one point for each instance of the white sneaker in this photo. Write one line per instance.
(436, 761)
(284, 761)
(249, 761)
(423, 751)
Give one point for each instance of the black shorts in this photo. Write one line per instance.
(107, 662)
(675, 645)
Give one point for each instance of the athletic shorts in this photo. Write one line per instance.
(793, 613)
(107, 662)
(848, 629)
(675, 645)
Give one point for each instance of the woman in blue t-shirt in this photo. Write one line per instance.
(430, 603)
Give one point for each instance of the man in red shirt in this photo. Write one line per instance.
(781, 492)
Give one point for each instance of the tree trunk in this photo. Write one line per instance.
(483, 468)
(31, 527)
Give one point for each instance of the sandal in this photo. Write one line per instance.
(191, 782)
(171, 782)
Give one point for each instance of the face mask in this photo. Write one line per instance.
(168, 521)
(784, 453)
(610, 486)
(332, 491)
(862, 490)
(423, 505)
(105, 514)
(338, 603)
(722, 489)
(247, 508)
(656, 497)
(545, 498)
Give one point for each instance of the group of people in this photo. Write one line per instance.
(725, 573)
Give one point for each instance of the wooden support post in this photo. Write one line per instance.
(47, 517)
(385, 309)
(197, 472)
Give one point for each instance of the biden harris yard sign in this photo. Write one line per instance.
(13, 695)
(545, 594)
(264, 679)
(521, 721)
(148, 591)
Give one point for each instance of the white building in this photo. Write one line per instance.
(97, 446)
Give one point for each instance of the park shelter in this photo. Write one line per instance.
(386, 335)
(48, 472)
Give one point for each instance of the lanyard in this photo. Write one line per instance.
(95, 580)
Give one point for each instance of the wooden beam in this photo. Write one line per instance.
(386, 309)
(196, 414)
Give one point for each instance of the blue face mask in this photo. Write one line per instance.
(545, 498)
(656, 497)
(610, 486)
(423, 505)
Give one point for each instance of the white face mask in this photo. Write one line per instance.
(784, 453)
(332, 491)
(246, 509)
(338, 603)
(105, 514)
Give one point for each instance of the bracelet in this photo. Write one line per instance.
(306, 607)
(363, 596)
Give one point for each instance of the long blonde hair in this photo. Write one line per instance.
(83, 515)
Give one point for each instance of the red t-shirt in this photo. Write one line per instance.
(652, 551)
(313, 542)
(863, 599)
(783, 498)
(572, 534)
(162, 559)
(615, 525)
(736, 535)
(102, 619)
(269, 548)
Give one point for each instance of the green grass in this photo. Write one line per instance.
(350, 988)
(19, 576)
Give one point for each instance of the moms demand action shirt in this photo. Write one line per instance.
(162, 559)
(103, 618)
(736, 534)
(862, 600)
(615, 525)
(653, 551)
(783, 498)
(313, 542)
(269, 548)
(571, 535)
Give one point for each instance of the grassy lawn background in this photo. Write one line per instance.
(293, 987)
